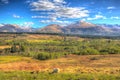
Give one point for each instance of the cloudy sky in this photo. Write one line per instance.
(39, 13)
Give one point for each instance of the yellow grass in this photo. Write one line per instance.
(5, 46)
(109, 64)
(41, 41)
(10, 59)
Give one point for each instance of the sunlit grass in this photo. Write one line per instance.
(18, 75)
(32, 41)
(7, 59)
(65, 56)
(5, 46)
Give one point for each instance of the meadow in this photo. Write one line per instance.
(34, 56)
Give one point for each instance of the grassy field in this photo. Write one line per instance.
(8, 59)
(72, 63)
(33, 57)
(72, 67)
(60, 76)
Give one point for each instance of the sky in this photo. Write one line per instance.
(39, 13)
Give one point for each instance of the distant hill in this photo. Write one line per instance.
(14, 28)
(80, 27)
(83, 27)
(54, 28)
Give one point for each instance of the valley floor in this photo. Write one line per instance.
(77, 58)
(72, 67)
(109, 64)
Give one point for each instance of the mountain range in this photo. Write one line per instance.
(14, 28)
(84, 28)
(80, 27)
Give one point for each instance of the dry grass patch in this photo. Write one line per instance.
(5, 46)
(72, 63)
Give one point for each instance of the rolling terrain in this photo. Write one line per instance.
(78, 28)
(14, 28)
(34, 56)
(83, 28)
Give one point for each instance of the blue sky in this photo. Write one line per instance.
(39, 13)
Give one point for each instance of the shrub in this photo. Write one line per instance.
(7, 50)
(94, 58)
(111, 50)
(88, 51)
(14, 49)
(42, 56)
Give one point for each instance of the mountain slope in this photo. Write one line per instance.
(13, 28)
(54, 28)
(87, 28)
(82, 27)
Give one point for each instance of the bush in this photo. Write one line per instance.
(7, 50)
(95, 58)
(111, 50)
(42, 56)
(88, 51)
(46, 56)
(14, 49)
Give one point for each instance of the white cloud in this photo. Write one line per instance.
(83, 19)
(40, 17)
(28, 1)
(27, 24)
(59, 1)
(1, 25)
(100, 17)
(16, 16)
(116, 17)
(56, 9)
(45, 21)
(5, 1)
(43, 5)
(97, 17)
(53, 18)
(111, 7)
(54, 21)
(71, 12)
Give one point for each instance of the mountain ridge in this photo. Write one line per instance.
(85, 28)
(14, 28)
(79, 27)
